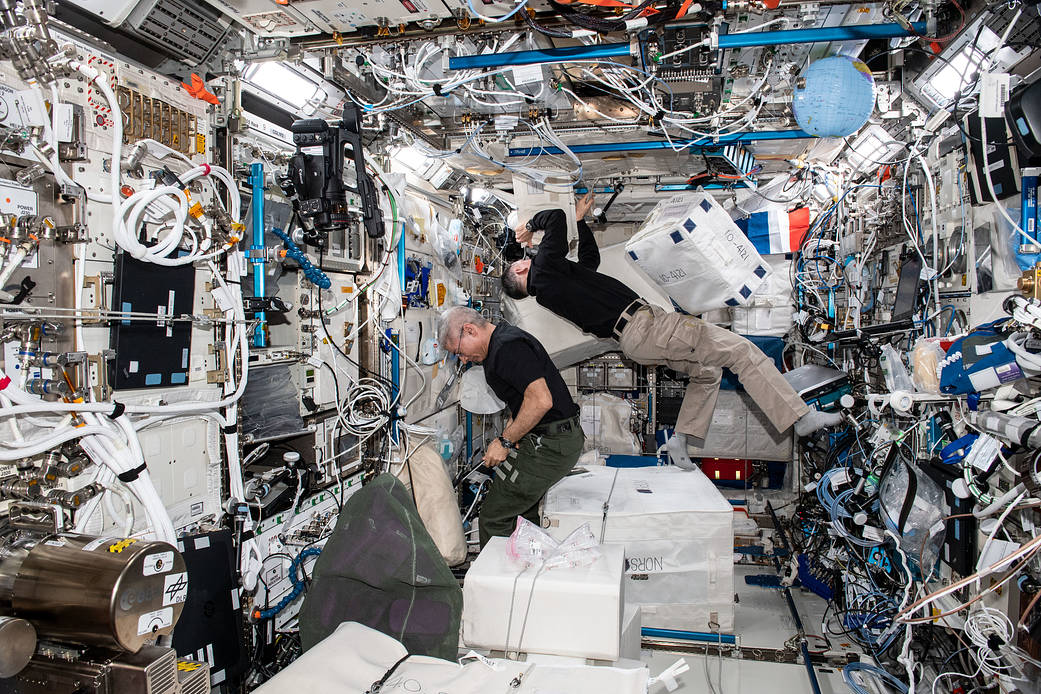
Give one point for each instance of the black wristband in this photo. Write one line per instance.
(506, 443)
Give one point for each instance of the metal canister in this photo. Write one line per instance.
(115, 593)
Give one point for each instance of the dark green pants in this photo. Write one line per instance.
(541, 462)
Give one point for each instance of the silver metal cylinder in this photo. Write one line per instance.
(96, 592)
(17, 645)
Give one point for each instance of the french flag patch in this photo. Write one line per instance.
(775, 230)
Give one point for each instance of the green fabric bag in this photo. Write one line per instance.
(380, 568)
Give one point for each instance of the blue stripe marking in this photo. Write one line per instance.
(760, 272)
(746, 292)
(126, 307)
(632, 255)
(733, 302)
(153, 379)
(706, 205)
(178, 378)
(676, 236)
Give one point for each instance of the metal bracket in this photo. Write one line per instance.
(37, 518)
(220, 373)
(73, 233)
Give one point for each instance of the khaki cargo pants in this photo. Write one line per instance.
(701, 350)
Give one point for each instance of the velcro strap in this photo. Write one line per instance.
(118, 409)
(230, 429)
(131, 475)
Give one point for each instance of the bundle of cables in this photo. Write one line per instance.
(640, 16)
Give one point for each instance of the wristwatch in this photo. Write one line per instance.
(506, 443)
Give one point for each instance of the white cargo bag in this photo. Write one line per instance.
(693, 250)
(568, 611)
(425, 474)
(354, 657)
(769, 312)
(677, 531)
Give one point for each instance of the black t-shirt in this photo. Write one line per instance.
(515, 360)
(575, 291)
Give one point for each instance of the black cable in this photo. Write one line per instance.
(546, 31)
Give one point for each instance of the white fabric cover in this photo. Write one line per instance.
(605, 421)
(572, 611)
(354, 657)
(769, 312)
(435, 499)
(677, 532)
(739, 429)
(691, 248)
(475, 395)
(564, 341)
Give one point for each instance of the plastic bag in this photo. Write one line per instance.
(530, 546)
(447, 242)
(894, 371)
(914, 510)
(925, 365)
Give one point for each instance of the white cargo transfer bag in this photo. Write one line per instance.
(691, 248)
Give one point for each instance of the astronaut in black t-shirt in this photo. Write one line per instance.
(543, 439)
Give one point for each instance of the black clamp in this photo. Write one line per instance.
(118, 409)
(131, 475)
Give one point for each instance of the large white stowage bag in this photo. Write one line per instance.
(425, 474)
(691, 248)
(354, 657)
(569, 611)
(677, 531)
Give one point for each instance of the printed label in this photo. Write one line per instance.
(17, 199)
(158, 563)
(154, 621)
(526, 74)
(175, 590)
(94, 544)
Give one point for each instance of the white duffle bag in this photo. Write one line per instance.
(691, 248)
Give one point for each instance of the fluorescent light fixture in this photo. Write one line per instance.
(958, 73)
(286, 83)
(956, 69)
(873, 147)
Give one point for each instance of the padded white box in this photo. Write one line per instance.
(632, 636)
(677, 531)
(572, 611)
(691, 248)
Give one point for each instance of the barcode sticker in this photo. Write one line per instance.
(526, 74)
(994, 91)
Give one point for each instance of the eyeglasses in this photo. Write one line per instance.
(459, 339)
(454, 351)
